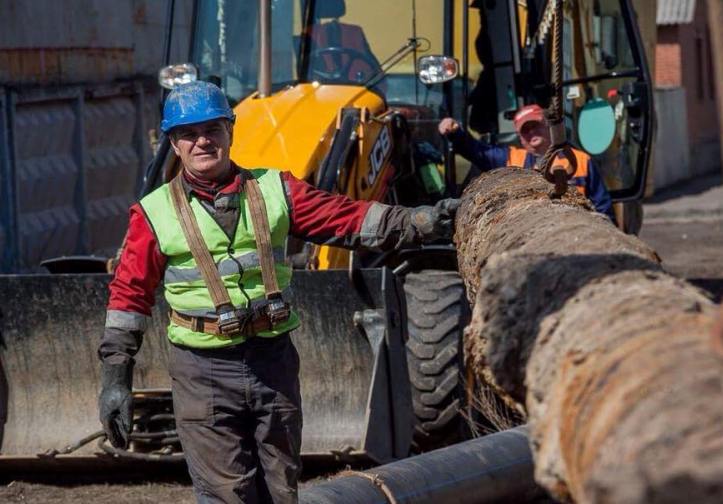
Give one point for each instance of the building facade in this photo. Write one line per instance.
(686, 83)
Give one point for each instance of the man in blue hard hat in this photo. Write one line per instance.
(235, 386)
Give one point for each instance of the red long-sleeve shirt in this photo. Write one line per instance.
(315, 216)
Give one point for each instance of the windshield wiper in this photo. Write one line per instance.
(411, 45)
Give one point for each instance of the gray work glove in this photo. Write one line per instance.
(436, 222)
(115, 402)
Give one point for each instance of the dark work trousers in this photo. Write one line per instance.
(238, 416)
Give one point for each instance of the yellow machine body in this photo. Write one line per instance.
(292, 130)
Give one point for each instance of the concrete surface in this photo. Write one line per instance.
(697, 199)
(685, 226)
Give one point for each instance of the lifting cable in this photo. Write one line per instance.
(555, 115)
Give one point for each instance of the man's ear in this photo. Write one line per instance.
(172, 138)
(229, 126)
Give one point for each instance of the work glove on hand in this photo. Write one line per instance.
(115, 403)
(436, 222)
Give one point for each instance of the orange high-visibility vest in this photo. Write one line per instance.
(517, 156)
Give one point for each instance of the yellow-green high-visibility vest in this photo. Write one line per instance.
(236, 258)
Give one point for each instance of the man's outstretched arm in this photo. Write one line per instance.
(332, 219)
(483, 156)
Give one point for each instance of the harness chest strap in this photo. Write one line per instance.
(262, 235)
(207, 267)
(199, 250)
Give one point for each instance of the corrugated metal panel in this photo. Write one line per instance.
(7, 190)
(115, 157)
(79, 41)
(672, 12)
(47, 172)
(77, 157)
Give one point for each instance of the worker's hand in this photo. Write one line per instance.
(447, 126)
(434, 223)
(115, 403)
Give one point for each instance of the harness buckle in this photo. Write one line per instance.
(229, 322)
(277, 310)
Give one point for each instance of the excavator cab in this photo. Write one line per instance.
(607, 88)
(503, 51)
(339, 51)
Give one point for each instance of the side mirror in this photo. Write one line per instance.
(596, 126)
(173, 75)
(437, 69)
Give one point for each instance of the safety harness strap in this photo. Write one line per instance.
(199, 250)
(257, 323)
(262, 235)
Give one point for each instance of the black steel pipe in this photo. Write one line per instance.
(494, 468)
(264, 48)
(167, 44)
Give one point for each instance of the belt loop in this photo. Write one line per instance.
(197, 324)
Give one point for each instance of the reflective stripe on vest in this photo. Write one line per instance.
(227, 266)
(517, 157)
(184, 287)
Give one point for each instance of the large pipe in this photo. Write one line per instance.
(264, 48)
(494, 468)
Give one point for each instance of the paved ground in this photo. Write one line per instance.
(144, 493)
(700, 199)
(168, 485)
(685, 226)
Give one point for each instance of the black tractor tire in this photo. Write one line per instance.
(437, 313)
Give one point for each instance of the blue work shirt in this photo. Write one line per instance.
(487, 157)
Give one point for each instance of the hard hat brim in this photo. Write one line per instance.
(186, 119)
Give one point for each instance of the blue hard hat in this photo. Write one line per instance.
(194, 102)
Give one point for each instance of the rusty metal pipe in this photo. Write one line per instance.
(264, 48)
(494, 468)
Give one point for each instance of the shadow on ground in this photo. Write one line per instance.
(688, 188)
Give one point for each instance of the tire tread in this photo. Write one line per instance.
(437, 312)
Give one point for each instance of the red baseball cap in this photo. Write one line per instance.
(528, 113)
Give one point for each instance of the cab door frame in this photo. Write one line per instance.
(639, 103)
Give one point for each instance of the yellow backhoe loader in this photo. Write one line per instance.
(346, 95)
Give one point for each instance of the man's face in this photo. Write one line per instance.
(535, 137)
(204, 147)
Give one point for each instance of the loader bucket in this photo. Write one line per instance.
(51, 326)
(355, 387)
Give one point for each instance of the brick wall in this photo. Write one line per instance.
(667, 58)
